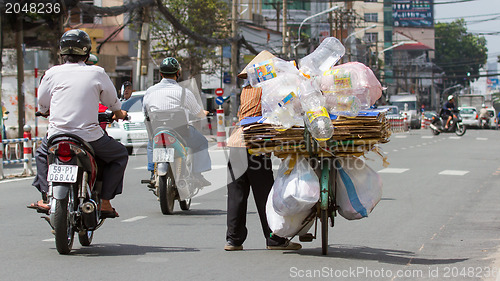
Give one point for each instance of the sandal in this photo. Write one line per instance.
(109, 214)
(40, 207)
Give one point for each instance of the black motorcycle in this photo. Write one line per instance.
(75, 183)
(456, 126)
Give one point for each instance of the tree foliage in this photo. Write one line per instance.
(204, 17)
(459, 53)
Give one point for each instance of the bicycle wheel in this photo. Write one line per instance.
(325, 173)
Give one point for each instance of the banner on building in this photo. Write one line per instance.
(413, 13)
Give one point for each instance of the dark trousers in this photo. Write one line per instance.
(247, 171)
(114, 155)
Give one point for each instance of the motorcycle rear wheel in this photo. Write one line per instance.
(64, 232)
(166, 193)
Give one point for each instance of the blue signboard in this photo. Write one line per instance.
(220, 100)
(413, 13)
(227, 78)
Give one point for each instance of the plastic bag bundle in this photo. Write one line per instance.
(280, 101)
(349, 88)
(287, 226)
(359, 188)
(297, 191)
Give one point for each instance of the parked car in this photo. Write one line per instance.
(131, 133)
(469, 115)
(392, 111)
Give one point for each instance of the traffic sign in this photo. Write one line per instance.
(219, 91)
(220, 100)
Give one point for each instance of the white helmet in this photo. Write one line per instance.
(450, 97)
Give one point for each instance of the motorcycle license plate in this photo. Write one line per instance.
(163, 154)
(62, 173)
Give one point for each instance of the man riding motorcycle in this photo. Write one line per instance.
(448, 110)
(168, 95)
(70, 94)
(484, 115)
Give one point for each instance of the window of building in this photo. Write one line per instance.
(371, 17)
(370, 0)
(78, 16)
(371, 37)
(294, 5)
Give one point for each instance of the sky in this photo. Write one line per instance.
(481, 16)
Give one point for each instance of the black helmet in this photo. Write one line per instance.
(169, 66)
(75, 42)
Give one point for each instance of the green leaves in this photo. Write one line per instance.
(459, 52)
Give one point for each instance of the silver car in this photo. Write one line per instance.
(470, 117)
(131, 133)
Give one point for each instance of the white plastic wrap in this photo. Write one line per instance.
(287, 226)
(297, 191)
(359, 188)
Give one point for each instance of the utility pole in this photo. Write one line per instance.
(285, 27)
(20, 76)
(234, 44)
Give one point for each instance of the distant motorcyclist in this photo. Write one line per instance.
(448, 110)
(168, 95)
(71, 93)
(484, 115)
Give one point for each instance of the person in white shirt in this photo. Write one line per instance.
(167, 96)
(70, 94)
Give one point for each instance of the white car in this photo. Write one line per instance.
(131, 133)
(470, 117)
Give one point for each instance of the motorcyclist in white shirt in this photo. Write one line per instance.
(168, 95)
(70, 94)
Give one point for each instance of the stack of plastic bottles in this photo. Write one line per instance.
(279, 81)
(307, 95)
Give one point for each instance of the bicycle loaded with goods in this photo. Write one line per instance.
(317, 120)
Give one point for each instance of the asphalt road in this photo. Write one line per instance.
(439, 219)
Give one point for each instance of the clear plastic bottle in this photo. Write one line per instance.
(279, 99)
(260, 73)
(316, 117)
(327, 54)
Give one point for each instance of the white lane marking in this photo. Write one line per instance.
(482, 139)
(427, 137)
(18, 179)
(393, 170)
(49, 240)
(195, 204)
(214, 167)
(395, 150)
(401, 137)
(453, 173)
(454, 138)
(134, 219)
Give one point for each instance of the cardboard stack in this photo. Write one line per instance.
(353, 136)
